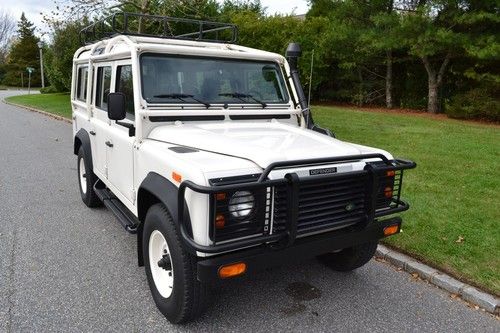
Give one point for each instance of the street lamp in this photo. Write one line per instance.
(40, 46)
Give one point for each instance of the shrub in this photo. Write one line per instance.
(478, 103)
(49, 90)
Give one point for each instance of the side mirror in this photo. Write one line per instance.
(116, 106)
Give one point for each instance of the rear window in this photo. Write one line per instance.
(81, 86)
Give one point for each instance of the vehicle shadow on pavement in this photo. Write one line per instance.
(303, 291)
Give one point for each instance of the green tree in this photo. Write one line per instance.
(321, 7)
(356, 47)
(478, 70)
(230, 7)
(393, 52)
(59, 56)
(23, 53)
(254, 30)
(382, 38)
(429, 34)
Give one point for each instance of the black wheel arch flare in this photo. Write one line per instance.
(82, 139)
(157, 189)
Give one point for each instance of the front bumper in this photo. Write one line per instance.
(262, 257)
(291, 184)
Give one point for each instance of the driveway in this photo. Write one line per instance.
(64, 267)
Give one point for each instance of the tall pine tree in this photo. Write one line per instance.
(24, 53)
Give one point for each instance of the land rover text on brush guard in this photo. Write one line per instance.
(208, 152)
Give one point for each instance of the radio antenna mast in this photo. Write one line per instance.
(310, 80)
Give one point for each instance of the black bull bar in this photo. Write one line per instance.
(292, 182)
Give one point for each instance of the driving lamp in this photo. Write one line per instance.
(241, 204)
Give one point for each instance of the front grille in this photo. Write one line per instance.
(330, 204)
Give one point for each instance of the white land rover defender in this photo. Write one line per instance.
(208, 152)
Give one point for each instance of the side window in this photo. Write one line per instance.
(103, 84)
(81, 86)
(124, 85)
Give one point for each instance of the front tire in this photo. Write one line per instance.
(351, 258)
(170, 269)
(86, 180)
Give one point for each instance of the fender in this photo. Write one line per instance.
(82, 138)
(153, 189)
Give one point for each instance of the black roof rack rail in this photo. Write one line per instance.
(136, 24)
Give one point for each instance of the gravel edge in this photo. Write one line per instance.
(488, 302)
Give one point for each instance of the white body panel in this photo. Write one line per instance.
(262, 143)
(226, 148)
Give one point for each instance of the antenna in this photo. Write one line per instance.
(310, 80)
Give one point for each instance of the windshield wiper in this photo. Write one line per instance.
(182, 97)
(242, 97)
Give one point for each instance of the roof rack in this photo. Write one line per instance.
(136, 24)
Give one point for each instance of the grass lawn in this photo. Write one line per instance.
(454, 220)
(54, 103)
(454, 192)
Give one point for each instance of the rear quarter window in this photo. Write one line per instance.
(81, 83)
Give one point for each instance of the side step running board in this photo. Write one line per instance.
(122, 213)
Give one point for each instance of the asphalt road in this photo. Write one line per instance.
(67, 268)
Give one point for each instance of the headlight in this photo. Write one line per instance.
(241, 204)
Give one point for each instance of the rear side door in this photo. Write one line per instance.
(121, 142)
(81, 113)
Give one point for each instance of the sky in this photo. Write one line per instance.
(32, 8)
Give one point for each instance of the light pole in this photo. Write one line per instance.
(30, 70)
(40, 46)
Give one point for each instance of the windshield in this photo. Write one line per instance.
(174, 79)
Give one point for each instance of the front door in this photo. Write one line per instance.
(120, 145)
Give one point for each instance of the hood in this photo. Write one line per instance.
(261, 143)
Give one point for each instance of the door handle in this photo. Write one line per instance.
(109, 144)
(92, 133)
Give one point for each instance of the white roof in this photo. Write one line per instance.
(121, 46)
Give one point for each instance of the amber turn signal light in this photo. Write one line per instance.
(388, 192)
(391, 230)
(220, 196)
(177, 177)
(220, 221)
(232, 270)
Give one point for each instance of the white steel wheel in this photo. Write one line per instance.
(170, 269)
(83, 175)
(161, 265)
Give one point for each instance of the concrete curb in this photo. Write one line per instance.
(29, 108)
(468, 293)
